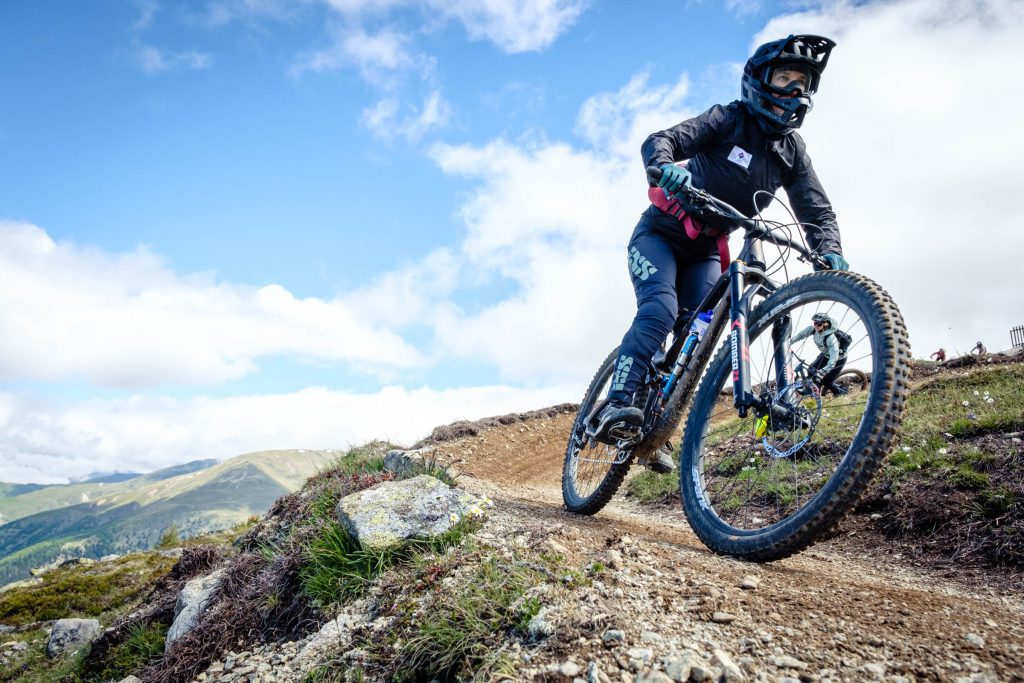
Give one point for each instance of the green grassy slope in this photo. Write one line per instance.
(132, 518)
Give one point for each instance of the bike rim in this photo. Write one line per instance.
(757, 472)
(590, 461)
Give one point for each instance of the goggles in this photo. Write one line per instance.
(792, 79)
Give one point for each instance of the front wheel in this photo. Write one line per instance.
(767, 485)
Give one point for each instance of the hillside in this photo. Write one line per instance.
(534, 593)
(96, 519)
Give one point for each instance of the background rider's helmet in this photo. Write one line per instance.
(761, 92)
(821, 318)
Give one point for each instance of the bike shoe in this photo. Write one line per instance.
(838, 391)
(662, 460)
(617, 422)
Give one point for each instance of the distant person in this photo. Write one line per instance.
(940, 355)
(741, 152)
(832, 345)
(979, 349)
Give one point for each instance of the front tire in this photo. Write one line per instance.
(766, 486)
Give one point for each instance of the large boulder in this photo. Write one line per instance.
(391, 512)
(192, 602)
(68, 635)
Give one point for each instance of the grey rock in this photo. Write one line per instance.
(541, 625)
(787, 662)
(612, 558)
(678, 668)
(702, 672)
(641, 654)
(730, 669)
(569, 669)
(750, 582)
(192, 602)
(873, 669)
(653, 676)
(975, 640)
(130, 679)
(404, 463)
(723, 618)
(335, 635)
(109, 558)
(613, 635)
(68, 635)
(387, 514)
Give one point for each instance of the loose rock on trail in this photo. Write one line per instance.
(837, 611)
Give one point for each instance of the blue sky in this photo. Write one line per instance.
(229, 225)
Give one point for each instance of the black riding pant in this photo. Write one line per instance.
(828, 381)
(671, 274)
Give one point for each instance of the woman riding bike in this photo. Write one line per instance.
(734, 152)
(831, 352)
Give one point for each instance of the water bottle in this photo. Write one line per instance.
(697, 329)
(700, 324)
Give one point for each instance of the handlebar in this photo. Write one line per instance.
(755, 229)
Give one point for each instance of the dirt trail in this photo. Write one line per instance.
(833, 612)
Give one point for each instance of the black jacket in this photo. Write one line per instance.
(730, 157)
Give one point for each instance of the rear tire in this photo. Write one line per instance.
(592, 472)
(744, 497)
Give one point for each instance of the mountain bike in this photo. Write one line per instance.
(851, 379)
(765, 467)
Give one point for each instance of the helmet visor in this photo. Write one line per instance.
(792, 79)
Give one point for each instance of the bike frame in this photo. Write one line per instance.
(744, 279)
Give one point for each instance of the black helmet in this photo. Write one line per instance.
(775, 71)
(821, 318)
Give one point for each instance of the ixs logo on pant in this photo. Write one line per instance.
(639, 265)
(621, 372)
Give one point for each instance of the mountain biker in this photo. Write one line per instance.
(732, 151)
(831, 357)
(939, 356)
(979, 349)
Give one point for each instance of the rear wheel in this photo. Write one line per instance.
(592, 471)
(853, 380)
(767, 485)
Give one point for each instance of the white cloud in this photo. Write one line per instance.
(147, 11)
(513, 25)
(912, 137)
(45, 444)
(387, 119)
(555, 220)
(153, 60)
(126, 320)
(374, 55)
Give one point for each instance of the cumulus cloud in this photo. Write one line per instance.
(45, 443)
(126, 320)
(387, 118)
(154, 60)
(924, 173)
(372, 54)
(516, 25)
(921, 196)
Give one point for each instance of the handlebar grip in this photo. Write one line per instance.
(653, 174)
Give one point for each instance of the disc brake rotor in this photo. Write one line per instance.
(791, 419)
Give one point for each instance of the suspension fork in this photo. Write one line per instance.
(781, 332)
(739, 340)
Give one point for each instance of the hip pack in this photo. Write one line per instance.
(667, 203)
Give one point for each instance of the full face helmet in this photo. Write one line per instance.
(821, 318)
(779, 79)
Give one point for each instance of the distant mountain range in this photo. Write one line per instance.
(108, 514)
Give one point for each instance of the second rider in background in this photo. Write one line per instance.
(733, 151)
